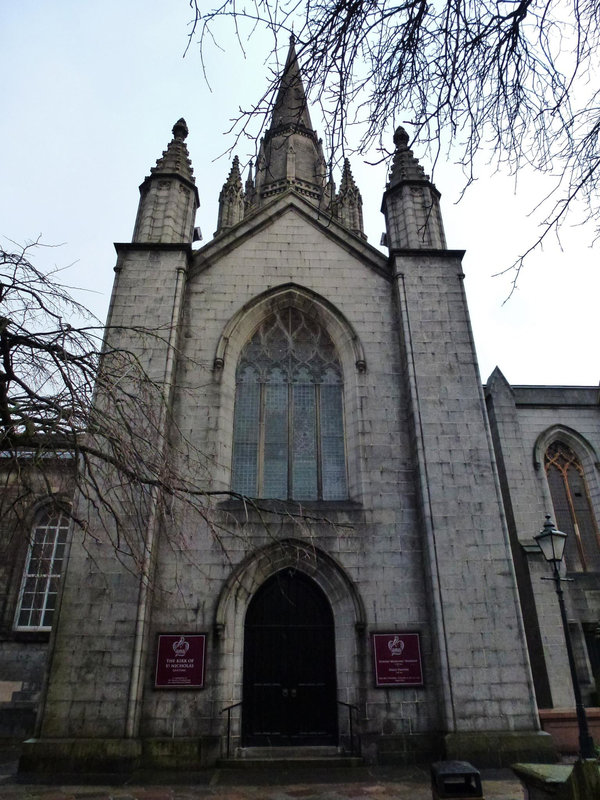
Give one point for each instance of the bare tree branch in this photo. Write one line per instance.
(78, 413)
(514, 78)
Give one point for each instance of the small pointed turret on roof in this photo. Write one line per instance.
(348, 203)
(169, 198)
(411, 203)
(231, 199)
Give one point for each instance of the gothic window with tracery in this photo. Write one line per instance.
(572, 507)
(43, 568)
(288, 421)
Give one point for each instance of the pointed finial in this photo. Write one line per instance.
(404, 166)
(250, 178)
(180, 129)
(401, 138)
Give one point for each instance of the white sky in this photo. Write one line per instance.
(89, 93)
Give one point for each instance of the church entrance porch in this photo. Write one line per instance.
(289, 687)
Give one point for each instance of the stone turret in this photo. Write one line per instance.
(231, 199)
(168, 196)
(411, 203)
(348, 203)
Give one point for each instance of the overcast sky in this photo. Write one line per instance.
(89, 93)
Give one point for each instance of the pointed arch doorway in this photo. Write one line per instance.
(289, 685)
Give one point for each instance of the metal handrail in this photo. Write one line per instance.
(228, 709)
(351, 708)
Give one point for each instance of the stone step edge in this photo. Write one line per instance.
(291, 761)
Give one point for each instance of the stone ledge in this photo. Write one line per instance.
(117, 756)
(80, 755)
(500, 748)
(401, 749)
(580, 781)
(191, 753)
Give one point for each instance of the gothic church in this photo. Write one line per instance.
(390, 607)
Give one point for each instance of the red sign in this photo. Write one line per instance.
(180, 661)
(397, 659)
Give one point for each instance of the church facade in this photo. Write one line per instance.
(382, 594)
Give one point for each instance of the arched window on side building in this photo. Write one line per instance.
(572, 507)
(43, 568)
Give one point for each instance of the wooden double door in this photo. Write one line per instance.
(289, 693)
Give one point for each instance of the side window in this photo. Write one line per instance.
(41, 576)
(288, 421)
(572, 507)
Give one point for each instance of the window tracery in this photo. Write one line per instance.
(288, 421)
(573, 507)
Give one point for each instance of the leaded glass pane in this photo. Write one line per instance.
(584, 518)
(275, 466)
(333, 456)
(246, 439)
(564, 522)
(304, 450)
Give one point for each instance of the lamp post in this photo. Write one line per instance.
(552, 544)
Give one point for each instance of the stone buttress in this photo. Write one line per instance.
(91, 712)
(487, 692)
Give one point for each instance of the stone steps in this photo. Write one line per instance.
(253, 757)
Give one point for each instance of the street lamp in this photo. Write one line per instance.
(552, 544)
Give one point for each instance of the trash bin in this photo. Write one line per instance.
(457, 779)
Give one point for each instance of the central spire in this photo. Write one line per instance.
(290, 153)
(290, 157)
(291, 108)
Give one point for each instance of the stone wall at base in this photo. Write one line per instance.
(22, 667)
(405, 749)
(102, 756)
(500, 748)
(118, 756)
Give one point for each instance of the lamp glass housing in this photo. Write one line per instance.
(551, 542)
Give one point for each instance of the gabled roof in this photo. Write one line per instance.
(281, 204)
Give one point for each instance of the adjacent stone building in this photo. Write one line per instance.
(385, 587)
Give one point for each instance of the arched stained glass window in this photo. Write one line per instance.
(43, 568)
(288, 423)
(572, 507)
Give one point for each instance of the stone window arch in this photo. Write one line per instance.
(288, 432)
(236, 335)
(342, 594)
(572, 503)
(40, 583)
